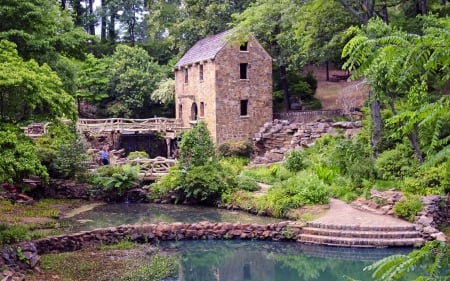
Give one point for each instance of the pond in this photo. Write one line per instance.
(271, 261)
(107, 215)
(235, 260)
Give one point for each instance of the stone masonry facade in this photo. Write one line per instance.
(227, 87)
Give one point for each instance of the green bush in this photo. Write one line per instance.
(235, 163)
(427, 181)
(196, 146)
(295, 160)
(268, 175)
(304, 188)
(396, 163)
(137, 154)
(408, 208)
(247, 183)
(63, 151)
(116, 178)
(10, 234)
(203, 184)
(235, 148)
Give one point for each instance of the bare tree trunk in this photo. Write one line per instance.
(112, 25)
(415, 144)
(375, 112)
(90, 14)
(327, 65)
(285, 87)
(384, 13)
(423, 7)
(63, 4)
(103, 22)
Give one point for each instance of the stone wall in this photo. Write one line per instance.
(168, 231)
(275, 138)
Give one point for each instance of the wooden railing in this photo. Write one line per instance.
(129, 125)
(151, 169)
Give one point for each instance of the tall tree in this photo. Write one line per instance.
(410, 66)
(132, 78)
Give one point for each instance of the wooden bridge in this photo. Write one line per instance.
(169, 126)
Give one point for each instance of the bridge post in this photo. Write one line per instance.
(168, 144)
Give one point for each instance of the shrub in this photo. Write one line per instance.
(137, 154)
(196, 146)
(295, 160)
(247, 183)
(235, 148)
(408, 208)
(235, 163)
(427, 181)
(396, 163)
(116, 178)
(13, 233)
(268, 175)
(62, 151)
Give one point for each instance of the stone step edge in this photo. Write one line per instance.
(360, 233)
(411, 227)
(351, 242)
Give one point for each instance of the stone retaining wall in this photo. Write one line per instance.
(168, 231)
(275, 138)
(436, 212)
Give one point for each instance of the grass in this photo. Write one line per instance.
(125, 244)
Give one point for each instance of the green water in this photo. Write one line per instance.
(272, 261)
(117, 214)
(237, 260)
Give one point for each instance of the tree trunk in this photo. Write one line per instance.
(375, 112)
(112, 26)
(103, 21)
(423, 7)
(285, 87)
(384, 14)
(415, 144)
(63, 4)
(90, 15)
(327, 65)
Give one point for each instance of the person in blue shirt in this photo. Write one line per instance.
(105, 155)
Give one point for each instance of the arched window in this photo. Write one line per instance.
(194, 111)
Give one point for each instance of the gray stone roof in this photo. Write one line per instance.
(204, 49)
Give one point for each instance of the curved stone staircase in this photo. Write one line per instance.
(360, 236)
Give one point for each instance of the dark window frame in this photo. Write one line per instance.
(244, 108)
(243, 71)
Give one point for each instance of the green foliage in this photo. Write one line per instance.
(235, 163)
(125, 244)
(18, 157)
(431, 262)
(63, 151)
(268, 175)
(428, 181)
(116, 178)
(235, 148)
(205, 184)
(132, 77)
(247, 183)
(408, 208)
(196, 146)
(295, 160)
(165, 92)
(137, 154)
(10, 234)
(160, 267)
(28, 90)
(396, 163)
(304, 188)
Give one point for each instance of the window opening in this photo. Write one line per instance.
(180, 111)
(243, 47)
(186, 76)
(200, 74)
(202, 109)
(243, 68)
(244, 107)
(194, 112)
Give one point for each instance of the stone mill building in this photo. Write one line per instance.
(229, 86)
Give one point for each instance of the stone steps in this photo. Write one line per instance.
(360, 236)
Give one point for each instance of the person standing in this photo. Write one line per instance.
(105, 155)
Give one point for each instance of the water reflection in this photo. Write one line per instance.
(269, 261)
(117, 214)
